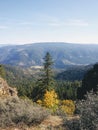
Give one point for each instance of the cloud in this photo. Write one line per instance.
(55, 24)
(3, 27)
(55, 21)
(26, 23)
(47, 18)
(76, 22)
(52, 21)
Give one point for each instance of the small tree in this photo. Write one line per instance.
(51, 100)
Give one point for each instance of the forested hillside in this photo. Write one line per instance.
(89, 82)
(26, 79)
(73, 73)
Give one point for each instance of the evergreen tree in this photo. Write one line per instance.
(47, 77)
(46, 81)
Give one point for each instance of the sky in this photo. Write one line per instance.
(30, 21)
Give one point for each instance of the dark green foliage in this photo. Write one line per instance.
(38, 91)
(73, 73)
(90, 82)
(27, 85)
(67, 90)
(47, 77)
(21, 79)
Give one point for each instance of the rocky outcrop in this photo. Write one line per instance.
(6, 90)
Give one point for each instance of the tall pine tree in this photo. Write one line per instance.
(46, 81)
(47, 77)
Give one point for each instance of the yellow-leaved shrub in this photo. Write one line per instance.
(68, 107)
(50, 100)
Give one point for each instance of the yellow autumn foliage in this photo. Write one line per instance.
(68, 107)
(50, 99)
(39, 102)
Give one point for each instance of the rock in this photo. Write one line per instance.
(6, 90)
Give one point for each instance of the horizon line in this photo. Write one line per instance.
(45, 42)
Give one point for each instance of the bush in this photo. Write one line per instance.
(50, 100)
(88, 112)
(68, 107)
(59, 107)
(14, 110)
(73, 124)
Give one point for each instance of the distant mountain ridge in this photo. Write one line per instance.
(63, 54)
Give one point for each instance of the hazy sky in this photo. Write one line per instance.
(27, 21)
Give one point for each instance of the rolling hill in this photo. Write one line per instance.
(63, 54)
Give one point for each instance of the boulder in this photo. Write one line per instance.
(6, 90)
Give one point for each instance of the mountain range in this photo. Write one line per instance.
(63, 54)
